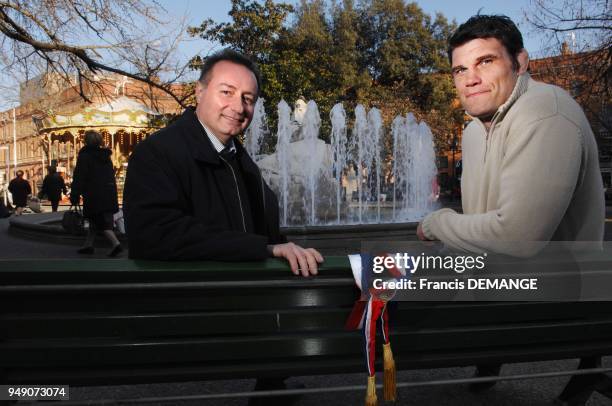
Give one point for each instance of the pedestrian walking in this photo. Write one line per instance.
(94, 179)
(20, 189)
(53, 186)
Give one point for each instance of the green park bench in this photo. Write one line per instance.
(105, 322)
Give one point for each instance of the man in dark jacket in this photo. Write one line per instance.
(94, 179)
(20, 189)
(53, 186)
(192, 191)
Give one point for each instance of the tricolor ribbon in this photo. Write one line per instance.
(371, 308)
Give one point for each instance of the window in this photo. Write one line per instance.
(444, 181)
(576, 88)
(607, 179)
(442, 162)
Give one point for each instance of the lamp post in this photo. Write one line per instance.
(6, 173)
(14, 142)
(7, 159)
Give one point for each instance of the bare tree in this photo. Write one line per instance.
(583, 30)
(590, 21)
(79, 40)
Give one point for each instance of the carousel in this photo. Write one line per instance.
(123, 122)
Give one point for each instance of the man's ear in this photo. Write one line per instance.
(199, 90)
(523, 60)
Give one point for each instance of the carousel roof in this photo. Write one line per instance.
(121, 112)
(124, 103)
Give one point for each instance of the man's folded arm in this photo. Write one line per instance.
(540, 171)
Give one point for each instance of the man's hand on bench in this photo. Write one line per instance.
(301, 260)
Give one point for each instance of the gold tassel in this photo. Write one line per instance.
(371, 399)
(389, 381)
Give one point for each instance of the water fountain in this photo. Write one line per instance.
(369, 177)
(360, 132)
(339, 144)
(373, 158)
(282, 149)
(258, 129)
(312, 123)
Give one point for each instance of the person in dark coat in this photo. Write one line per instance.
(192, 191)
(53, 186)
(94, 179)
(20, 189)
(3, 210)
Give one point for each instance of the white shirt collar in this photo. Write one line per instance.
(215, 141)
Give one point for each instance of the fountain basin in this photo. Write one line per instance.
(347, 239)
(329, 240)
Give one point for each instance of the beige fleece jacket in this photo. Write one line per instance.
(534, 176)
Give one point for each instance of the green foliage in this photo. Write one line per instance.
(381, 53)
(254, 30)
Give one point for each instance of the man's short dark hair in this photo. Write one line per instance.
(229, 55)
(489, 26)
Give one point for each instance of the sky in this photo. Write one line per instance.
(195, 11)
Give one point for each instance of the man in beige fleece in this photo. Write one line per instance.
(530, 162)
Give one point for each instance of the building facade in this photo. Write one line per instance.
(585, 76)
(48, 125)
